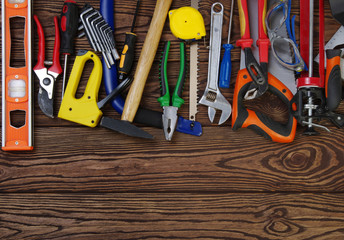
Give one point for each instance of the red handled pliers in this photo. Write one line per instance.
(258, 72)
(47, 77)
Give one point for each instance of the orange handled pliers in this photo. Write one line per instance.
(258, 72)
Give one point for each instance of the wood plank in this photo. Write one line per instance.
(82, 183)
(172, 216)
(98, 160)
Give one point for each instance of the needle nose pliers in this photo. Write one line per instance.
(169, 117)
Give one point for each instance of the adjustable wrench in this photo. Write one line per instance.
(212, 96)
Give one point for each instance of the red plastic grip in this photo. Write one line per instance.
(263, 41)
(56, 67)
(262, 6)
(41, 45)
(244, 19)
(321, 43)
(63, 23)
(304, 33)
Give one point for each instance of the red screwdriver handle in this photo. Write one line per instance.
(56, 67)
(41, 45)
(246, 40)
(69, 26)
(262, 6)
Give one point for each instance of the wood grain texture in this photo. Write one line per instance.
(82, 183)
(223, 164)
(172, 216)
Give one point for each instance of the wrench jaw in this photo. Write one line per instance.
(255, 91)
(216, 101)
(211, 114)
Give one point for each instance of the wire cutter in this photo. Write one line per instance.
(258, 72)
(47, 77)
(169, 117)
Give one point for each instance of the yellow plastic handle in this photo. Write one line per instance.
(83, 110)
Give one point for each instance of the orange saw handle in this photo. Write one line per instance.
(333, 81)
(262, 124)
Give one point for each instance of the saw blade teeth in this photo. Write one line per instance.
(195, 4)
(194, 70)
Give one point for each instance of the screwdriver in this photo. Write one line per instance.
(127, 56)
(69, 28)
(226, 64)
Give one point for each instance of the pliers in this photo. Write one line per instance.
(258, 72)
(47, 77)
(169, 117)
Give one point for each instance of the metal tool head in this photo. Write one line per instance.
(124, 127)
(45, 103)
(98, 25)
(169, 120)
(216, 101)
(102, 28)
(88, 19)
(86, 11)
(46, 81)
(212, 96)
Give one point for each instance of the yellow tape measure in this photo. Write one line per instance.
(186, 23)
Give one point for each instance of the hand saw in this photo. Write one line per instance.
(17, 112)
(193, 89)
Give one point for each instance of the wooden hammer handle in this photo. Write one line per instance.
(146, 59)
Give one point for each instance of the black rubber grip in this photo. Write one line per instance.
(68, 26)
(148, 117)
(337, 9)
(182, 70)
(162, 73)
(333, 86)
(264, 121)
(127, 57)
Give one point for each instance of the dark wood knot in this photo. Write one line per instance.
(279, 225)
(297, 161)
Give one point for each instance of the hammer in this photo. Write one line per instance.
(146, 59)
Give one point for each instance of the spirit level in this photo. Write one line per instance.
(17, 112)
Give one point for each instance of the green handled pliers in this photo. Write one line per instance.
(169, 117)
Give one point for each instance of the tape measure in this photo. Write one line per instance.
(187, 23)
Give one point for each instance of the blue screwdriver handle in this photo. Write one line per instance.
(226, 67)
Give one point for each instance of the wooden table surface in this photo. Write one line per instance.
(83, 183)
